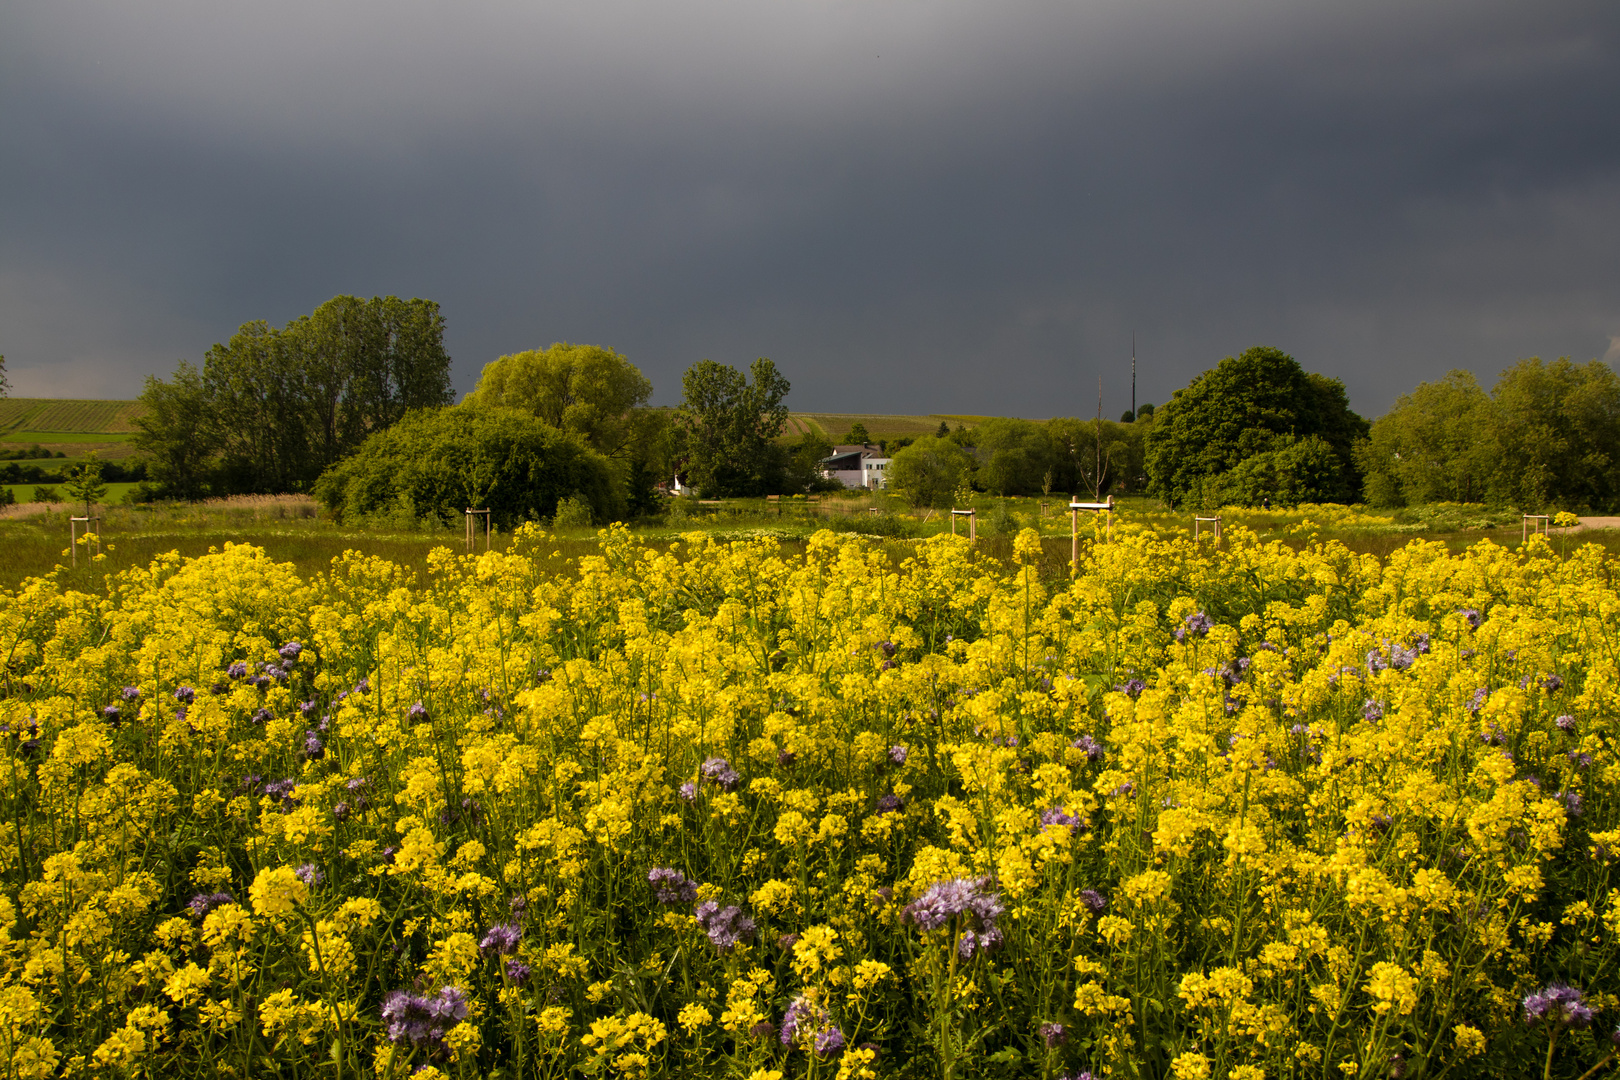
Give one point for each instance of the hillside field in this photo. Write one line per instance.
(835, 426)
(74, 427)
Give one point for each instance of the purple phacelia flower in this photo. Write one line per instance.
(1054, 1035)
(310, 874)
(969, 900)
(131, 693)
(1565, 723)
(1472, 617)
(517, 972)
(726, 926)
(501, 940)
(1558, 1004)
(897, 755)
(1057, 815)
(417, 713)
(203, 903)
(237, 669)
(1195, 625)
(890, 803)
(314, 749)
(289, 652)
(719, 770)
(111, 714)
(1132, 687)
(807, 1022)
(1552, 684)
(281, 790)
(185, 695)
(673, 887)
(261, 716)
(1373, 710)
(1093, 749)
(1572, 803)
(830, 1040)
(1095, 902)
(689, 791)
(423, 1021)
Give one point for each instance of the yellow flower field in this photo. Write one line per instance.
(721, 811)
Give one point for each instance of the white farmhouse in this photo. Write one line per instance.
(862, 465)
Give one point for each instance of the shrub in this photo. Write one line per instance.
(435, 464)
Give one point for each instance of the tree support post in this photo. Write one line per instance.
(1214, 522)
(972, 521)
(472, 528)
(1074, 526)
(1541, 524)
(90, 524)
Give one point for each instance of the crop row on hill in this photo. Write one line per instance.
(47, 415)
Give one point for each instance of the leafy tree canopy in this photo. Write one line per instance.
(272, 408)
(1247, 406)
(1436, 444)
(179, 431)
(1014, 455)
(728, 423)
(587, 389)
(928, 472)
(438, 463)
(1546, 437)
(85, 484)
(1557, 435)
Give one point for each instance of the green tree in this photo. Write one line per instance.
(435, 463)
(281, 405)
(1558, 435)
(5, 384)
(1436, 444)
(928, 472)
(728, 425)
(1093, 457)
(858, 435)
(177, 429)
(804, 463)
(84, 482)
(1014, 455)
(587, 389)
(360, 365)
(1242, 408)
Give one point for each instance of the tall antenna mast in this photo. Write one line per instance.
(1133, 374)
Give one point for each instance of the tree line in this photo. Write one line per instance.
(270, 410)
(353, 404)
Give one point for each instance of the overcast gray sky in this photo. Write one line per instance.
(909, 206)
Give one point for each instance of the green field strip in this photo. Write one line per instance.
(24, 493)
(28, 438)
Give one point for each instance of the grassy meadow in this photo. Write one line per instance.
(293, 529)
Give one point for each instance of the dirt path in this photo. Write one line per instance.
(1596, 523)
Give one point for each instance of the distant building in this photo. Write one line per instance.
(863, 465)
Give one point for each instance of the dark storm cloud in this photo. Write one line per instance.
(910, 206)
